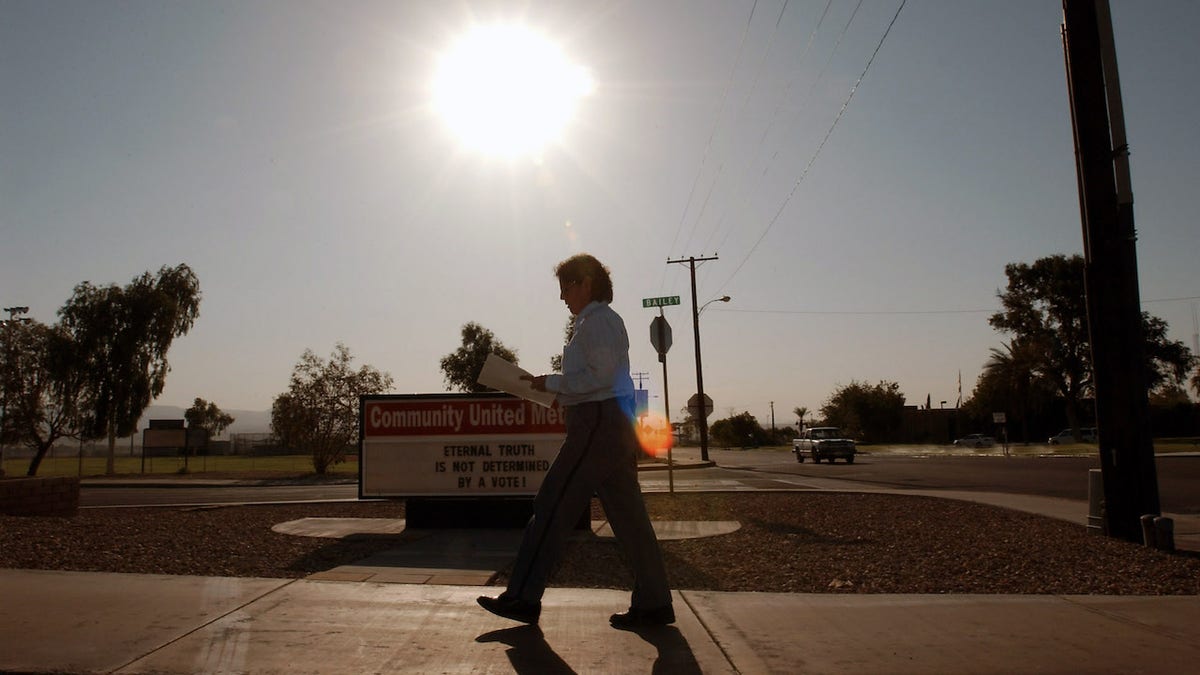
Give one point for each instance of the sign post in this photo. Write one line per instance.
(660, 337)
(1002, 420)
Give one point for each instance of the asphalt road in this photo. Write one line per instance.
(1063, 477)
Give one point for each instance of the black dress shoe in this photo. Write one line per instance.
(512, 608)
(635, 618)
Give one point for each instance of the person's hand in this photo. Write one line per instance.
(537, 382)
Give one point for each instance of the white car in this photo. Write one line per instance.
(1086, 435)
(975, 441)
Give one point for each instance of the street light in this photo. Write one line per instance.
(723, 298)
(703, 417)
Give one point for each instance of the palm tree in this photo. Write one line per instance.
(801, 413)
(1014, 365)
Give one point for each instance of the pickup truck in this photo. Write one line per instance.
(826, 443)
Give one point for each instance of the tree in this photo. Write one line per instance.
(318, 414)
(1045, 309)
(1013, 369)
(462, 366)
(801, 412)
(1167, 361)
(568, 333)
(872, 413)
(741, 430)
(207, 416)
(41, 387)
(121, 337)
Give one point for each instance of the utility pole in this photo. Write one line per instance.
(640, 377)
(703, 417)
(772, 417)
(1110, 260)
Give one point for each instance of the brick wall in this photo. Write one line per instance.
(39, 496)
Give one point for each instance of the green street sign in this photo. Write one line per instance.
(664, 301)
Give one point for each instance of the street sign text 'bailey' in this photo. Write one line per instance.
(664, 301)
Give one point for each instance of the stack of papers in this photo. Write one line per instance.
(506, 376)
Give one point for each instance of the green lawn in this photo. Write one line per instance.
(216, 466)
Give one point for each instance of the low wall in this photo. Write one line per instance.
(39, 496)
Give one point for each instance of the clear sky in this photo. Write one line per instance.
(289, 153)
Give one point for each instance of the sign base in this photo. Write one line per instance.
(461, 513)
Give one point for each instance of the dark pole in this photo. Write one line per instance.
(703, 417)
(699, 369)
(662, 356)
(1110, 255)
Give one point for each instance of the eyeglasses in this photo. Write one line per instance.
(567, 286)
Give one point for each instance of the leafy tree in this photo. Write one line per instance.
(1045, 309)
(318, 414)
(121, 337)
(207, 416)
(462, 366)
(41, 387)
(741, 430)
(872, 413)
(568, 333)
(1167, 361)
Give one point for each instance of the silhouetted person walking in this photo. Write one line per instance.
(599, 456)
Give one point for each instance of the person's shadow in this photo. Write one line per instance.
(675, 655)
(529, 652)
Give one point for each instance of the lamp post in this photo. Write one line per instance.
(703, 417)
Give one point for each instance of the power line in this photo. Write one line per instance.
(758, 71)
(1189, 297)
(885, 312)
(812, 35)
(901, 312)
(820, 147)
(716, 125)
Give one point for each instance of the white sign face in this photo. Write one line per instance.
(459, 445)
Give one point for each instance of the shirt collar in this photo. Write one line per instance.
(591, 307)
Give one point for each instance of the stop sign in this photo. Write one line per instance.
(660, 334)
(694, 405)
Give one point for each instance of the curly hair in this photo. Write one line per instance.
(583, 266)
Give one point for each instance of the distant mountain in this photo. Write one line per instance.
(244, 421)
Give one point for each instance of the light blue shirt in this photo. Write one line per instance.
(595, 362)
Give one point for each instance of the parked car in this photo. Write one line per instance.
(826, 443)
(975, 441)
(1086, 435)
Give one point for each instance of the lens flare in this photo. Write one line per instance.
(654, 435)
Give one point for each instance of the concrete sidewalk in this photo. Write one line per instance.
(424, 619)
(128, 623)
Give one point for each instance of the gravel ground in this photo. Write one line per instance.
(789, 542)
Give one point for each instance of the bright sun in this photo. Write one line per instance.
(506, 90)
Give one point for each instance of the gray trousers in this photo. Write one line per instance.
(599, 456)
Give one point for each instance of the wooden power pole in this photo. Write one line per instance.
(1110, 255)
